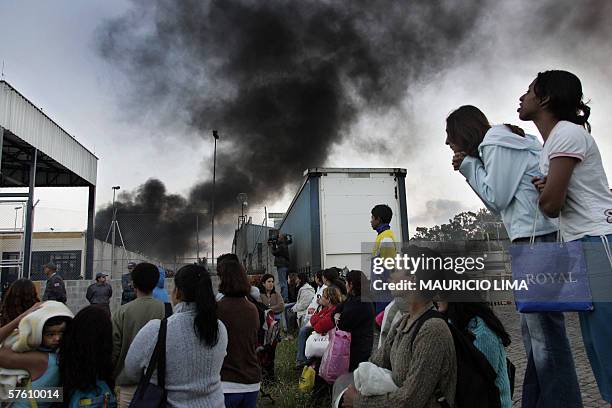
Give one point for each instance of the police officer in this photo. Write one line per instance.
(100, 293)
(55, 289)
(128, 294)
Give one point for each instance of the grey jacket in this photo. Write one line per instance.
(55, 289)
(193, 369)
(99, 293)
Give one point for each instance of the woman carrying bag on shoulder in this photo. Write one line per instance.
(575, 188)
(195, 345)
(498, 162)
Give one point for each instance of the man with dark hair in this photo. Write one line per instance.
(128, 294)
(129, 319)
(100, 293)
(385, 246)
(55, 289)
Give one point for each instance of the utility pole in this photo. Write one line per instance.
(114, 228)
(216, 137)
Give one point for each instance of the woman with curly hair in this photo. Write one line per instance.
(20, 296)
(85, 362)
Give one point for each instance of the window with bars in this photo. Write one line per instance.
(68, 263)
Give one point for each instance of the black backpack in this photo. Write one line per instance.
(475, 377)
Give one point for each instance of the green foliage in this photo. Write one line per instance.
(465, 226)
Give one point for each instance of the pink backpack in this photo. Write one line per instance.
(336, 359)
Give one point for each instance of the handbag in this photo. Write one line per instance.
(555, 274)
(316, 344)
(336, 359)
(150, 395)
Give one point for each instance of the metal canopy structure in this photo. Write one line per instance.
(37, 152)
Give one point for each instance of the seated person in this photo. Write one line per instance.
(322, 321)
(423, 364)
(480, 324)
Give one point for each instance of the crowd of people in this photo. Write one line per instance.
(423, 349)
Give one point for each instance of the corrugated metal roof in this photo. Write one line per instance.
(24, 120)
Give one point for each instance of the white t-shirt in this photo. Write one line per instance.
(588, 207)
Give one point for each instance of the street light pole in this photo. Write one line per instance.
(114, 227)
(198, 237)
(216, 137)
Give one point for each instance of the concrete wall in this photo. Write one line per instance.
(76, 290)
(75, 241)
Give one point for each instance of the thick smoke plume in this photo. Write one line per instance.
(281, 81)
(151, 221)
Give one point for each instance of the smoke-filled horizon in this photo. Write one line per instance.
(282, 82)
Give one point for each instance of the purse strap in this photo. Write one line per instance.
(158, 359)
(161, 358)
(535, 221)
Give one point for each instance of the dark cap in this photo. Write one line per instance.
(100, 274)
(51, 266)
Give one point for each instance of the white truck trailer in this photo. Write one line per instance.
(329, 218)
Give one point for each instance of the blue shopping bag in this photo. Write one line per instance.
(555, 274)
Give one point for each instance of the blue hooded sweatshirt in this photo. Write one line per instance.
(502, 180)
(159, 292)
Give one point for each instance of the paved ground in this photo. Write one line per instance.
(516, 353)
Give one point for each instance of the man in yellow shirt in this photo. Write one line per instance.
(385, 245)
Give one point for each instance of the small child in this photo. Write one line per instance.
(322, 321)
(28, 349)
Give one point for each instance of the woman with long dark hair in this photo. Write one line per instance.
(478, 322)
(331, 277)
(270, 297)
(19, 297)
(196, 343)
(241, 372)
(356, 316)
(85, 358)
(419, 350)
(575, 188)
(499, 163)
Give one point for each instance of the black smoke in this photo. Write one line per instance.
(152, 222)
(281, 81)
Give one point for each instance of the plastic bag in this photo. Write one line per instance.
(316, 344)
(336, 359)
(307, 379)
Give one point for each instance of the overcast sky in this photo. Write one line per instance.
(49, 54)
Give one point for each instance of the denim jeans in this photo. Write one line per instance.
(241, 400)
(301, 344)
(550, 376)
(282, 281)
(596, 325)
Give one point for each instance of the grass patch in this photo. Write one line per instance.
(285, 389)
